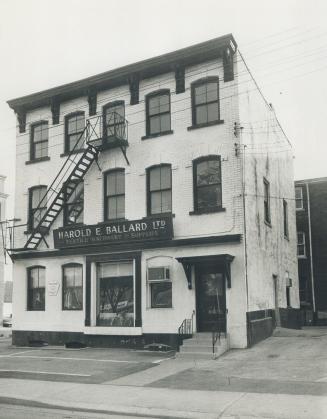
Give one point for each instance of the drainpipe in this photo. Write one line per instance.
(310, 244)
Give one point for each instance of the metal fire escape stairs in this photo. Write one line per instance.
(73, 171)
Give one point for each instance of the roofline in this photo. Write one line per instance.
(313, 180)
(144, 69)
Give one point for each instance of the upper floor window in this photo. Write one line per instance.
(205, 101)
(298, 197)
(73, 202)
(39, 140)
(301, 244)
(266, 200)
(72, 286)
(159, 189)
(114, 190)
(37, 205)
(207, 184)
(74, 127)
(114, 121)
(285, 217)
(158, 112)
(36, 288)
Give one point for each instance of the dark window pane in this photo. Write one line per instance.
(164, 103)
(120, 182)
(154, 107)
(201, 114)
(155, 179)
(165, 122)
(154, 124)
(209, 196)
(166, 201)
(120, 207)
(212, 92)
(161, 294)
(212, 111)
(156, 202)
(165, 180)
(200, 94)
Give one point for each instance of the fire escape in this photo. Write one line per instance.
(94, 139)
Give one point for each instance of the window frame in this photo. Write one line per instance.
(304, 255)
(28, 305)
(154, 282)
(33, 143)
(115, 124)
(207, 210)
(148, 97)
(266, 201)
(196, 84)
(31, 210)
(67, 135)
(70, 265)
(148, 192)
(285, 218)
(105, 196)
(66, 204)
(299, 199)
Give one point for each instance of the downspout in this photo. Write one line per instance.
(310, 244)
(244, 226)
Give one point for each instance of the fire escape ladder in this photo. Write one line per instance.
(65, 192)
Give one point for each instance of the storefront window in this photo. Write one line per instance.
(115, 294)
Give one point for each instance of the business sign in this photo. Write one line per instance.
(154, 228)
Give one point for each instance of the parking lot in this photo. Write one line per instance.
(87, 365)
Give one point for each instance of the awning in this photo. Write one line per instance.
(222, 261)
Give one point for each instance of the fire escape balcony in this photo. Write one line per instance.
(113, 132)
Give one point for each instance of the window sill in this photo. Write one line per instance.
(160, 308)
(268, 223)
(37, 160)
(162, 214)
(68, 153)
(35, 309)
(159, 134)
(207, 211)
(206, 124)
(72, 309)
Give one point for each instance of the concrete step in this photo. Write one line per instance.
(198, 348)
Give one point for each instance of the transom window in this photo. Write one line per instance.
(72, 287)
(74, 203)
(207, 184)
(74, 127)
(36, 288)
(158, 112)
(266, 200)
(114, 200)
(159, 189)
(301, 244)
(114, 121)
(39, 140)
(205, 101)
(37, 205)
(298, 197)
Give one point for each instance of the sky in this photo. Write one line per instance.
(47, 43)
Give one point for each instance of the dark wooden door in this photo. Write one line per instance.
(211, 299)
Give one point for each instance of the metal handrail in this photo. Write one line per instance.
(186, 328)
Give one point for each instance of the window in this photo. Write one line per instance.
(74, 202)
(160, 287)
(288, 296)
(114, 121)
(39, 140)
(74, 128)
(266, 200)
(298, 197)
(37, 205)
(285, 218)
(205, 101)
(301, 244)
(207, 184)
(158, 113)
(159, 189)
(36, 288)
(114, 190)
(72, 286)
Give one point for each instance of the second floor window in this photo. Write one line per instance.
(205, 101)
(74, 127)
(159, 189)
(207, 184)
(36, 288)
(298, 197)
(114, 199)
(158, 112)
(72, 287)
(114, 121)
(266, 200)
(285, 217)
(74, 203)
(39, 141)
(37, 205)
(301, 244)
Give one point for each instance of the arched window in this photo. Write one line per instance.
(205, 101)
(207, 184)
(73, 202)
(72, 286)
(158, 112)
(114, 121)
(159, 189)
(37, 205)
(114, 194)
(39, 140)
(36, 288)
(74, 127)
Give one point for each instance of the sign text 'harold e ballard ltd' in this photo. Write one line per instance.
(114, 232)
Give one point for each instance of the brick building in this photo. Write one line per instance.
(311, 197)
(137, 232)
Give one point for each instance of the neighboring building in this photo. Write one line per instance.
(311, 216)
(3, 198)
(128, 236)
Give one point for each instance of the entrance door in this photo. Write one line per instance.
(211, 299)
